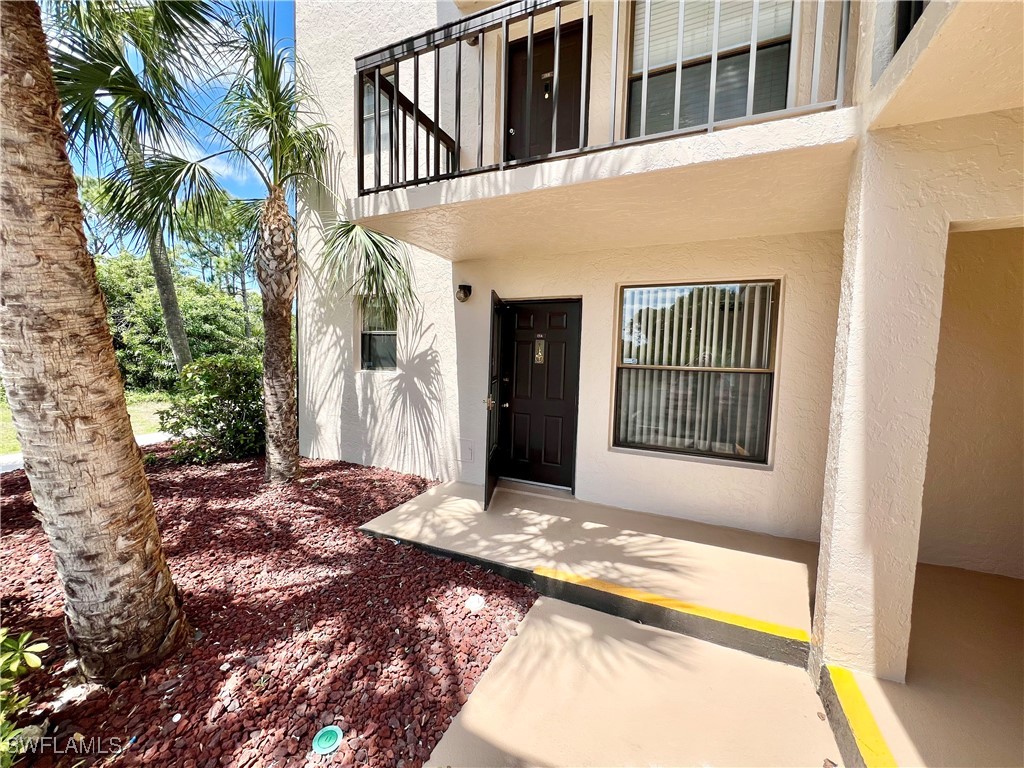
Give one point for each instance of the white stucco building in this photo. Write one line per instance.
(774, 287)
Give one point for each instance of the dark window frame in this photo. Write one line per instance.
(770, 372)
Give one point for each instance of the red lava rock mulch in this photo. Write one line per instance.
(303, 622)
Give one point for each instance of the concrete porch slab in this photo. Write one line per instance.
(578, 687)
(751, 579)
(962, 703)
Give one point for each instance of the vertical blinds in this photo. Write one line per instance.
(734, 27)
(695, 371)
(711, 326)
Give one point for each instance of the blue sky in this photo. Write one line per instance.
(238, 180)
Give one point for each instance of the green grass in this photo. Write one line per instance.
(142, 407)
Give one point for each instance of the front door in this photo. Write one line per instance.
(540, 374)
(529, 121)
(493, 457)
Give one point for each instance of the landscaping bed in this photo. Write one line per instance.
(301, 621)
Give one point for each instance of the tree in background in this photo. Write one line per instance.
(122, 611)
(216, 322)
(266, 122)
(221, 244)
(123, 84)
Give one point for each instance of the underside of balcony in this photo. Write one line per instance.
(765, 179)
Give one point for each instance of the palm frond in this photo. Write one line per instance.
(147, 192)
(376, 263)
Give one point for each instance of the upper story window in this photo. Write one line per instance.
(694, 48)
(379, 342)
(696, 369)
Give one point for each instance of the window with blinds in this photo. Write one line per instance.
(665, 44)
(696, 367)
(379, 342)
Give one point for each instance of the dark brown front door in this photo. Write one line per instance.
(528, 129)
(493, 456)
(540, 375)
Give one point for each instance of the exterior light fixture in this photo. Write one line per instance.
(464, 292)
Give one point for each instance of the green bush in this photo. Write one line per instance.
(214, 321)
(18, 656)
(217, 410)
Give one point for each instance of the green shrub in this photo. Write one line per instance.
(214, 322)
(18, 656)
(217, 410)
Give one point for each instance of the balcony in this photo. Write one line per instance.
(535, 81)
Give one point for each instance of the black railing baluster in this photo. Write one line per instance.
(502, 126)
(585, 75)
(416, 117)
(394, 128)
(360, 130)
(437, 110)
(436, 153)
(527, 120)
(554, 79)
(457, 163)
(376, 127)
(480, 99)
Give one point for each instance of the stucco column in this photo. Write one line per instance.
(883, 377)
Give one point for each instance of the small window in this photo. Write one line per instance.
(696, 368)
(379, 342)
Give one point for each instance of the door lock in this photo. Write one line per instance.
(489, 402)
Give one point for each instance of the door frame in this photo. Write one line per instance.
(504, 425)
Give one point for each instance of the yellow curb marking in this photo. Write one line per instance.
(780, 630)
(866, 732)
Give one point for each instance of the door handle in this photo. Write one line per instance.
(504, 405)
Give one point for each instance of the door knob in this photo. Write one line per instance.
(504, 405)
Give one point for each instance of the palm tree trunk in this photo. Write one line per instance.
(277, 270)
(245, 302)
(173, 321)
(122, 611)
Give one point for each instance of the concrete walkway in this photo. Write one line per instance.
(12, 461)
(765, 578)
(582, 688)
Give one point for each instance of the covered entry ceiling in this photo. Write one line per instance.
(768, 179)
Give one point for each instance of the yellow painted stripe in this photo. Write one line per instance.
(870, 740)
(791, 633)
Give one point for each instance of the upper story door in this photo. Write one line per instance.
(529, 122)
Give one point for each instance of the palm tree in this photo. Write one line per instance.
(108, 58)
(122, 611)
(266, 122)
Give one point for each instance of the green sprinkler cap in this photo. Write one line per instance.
(327, 740)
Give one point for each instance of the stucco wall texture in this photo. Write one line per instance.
(973, 514)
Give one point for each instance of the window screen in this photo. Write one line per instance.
(379, 342)
(695, 369)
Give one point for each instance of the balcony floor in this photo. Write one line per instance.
(779, 177)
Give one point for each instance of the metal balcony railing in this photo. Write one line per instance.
(534, 80)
